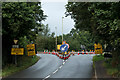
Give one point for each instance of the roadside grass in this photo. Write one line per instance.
(113, 71)
(26, 61)
(98, 58)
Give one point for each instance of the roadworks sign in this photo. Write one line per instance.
(98, 48)
(58, 47)
(31, 49)
(17, 51)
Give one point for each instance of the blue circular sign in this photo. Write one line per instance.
(64, 47)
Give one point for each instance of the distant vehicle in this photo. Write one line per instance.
(107, 55)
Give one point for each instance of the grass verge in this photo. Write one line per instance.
(98, 58)
(113, 71)
(26, 61)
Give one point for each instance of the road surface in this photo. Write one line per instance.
(50, 66)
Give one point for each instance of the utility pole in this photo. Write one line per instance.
(62, 29)
(56, 38)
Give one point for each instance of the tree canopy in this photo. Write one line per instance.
(18, 18)
(100, 19)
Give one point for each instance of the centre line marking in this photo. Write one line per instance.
(60, 67)
(55, 71)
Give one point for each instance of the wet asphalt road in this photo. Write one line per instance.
(78, 66)
(46, 65)
(50, 66)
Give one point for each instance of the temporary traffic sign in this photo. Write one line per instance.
(64, 47)
(98, 48)
(31, 49)
(17, 51)
(58, 47)
(68, 45)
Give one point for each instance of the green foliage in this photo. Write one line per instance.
(113, 71)
(25, 63)
(45, 40)
(98, 58)
(76, 38)
(101, 19)
(18, 18)
(23, 42)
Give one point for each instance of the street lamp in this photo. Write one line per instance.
(62, 29)
(56, 38)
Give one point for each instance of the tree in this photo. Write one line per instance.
(45, 40)
(101, 19)
(18, 19)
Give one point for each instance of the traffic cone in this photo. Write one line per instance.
(78, 52)
(59, 56)
(82, 52)
(44, 51)
(86, 52)
(69, 55)
(90, 52)
(49, 52)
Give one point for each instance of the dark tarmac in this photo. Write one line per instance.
(51, 66)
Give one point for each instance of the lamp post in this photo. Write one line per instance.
(56, 38)
(62, 29)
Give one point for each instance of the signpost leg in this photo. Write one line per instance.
(15, 60)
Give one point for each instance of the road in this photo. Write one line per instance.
(50, 66)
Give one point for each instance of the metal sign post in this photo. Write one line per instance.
(15, 46)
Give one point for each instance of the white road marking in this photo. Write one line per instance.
(55, 71)
(60, 67)
(63, 62)
(46, 77)
(95, 74)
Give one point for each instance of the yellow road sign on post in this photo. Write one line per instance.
(58, 47)
(31, 49)
(17, 51)
(98, 48)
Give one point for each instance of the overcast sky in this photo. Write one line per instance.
(55, 11)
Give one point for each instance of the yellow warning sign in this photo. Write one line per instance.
(58, 47)
(31, 49)
(98, 48)
(17, 51)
